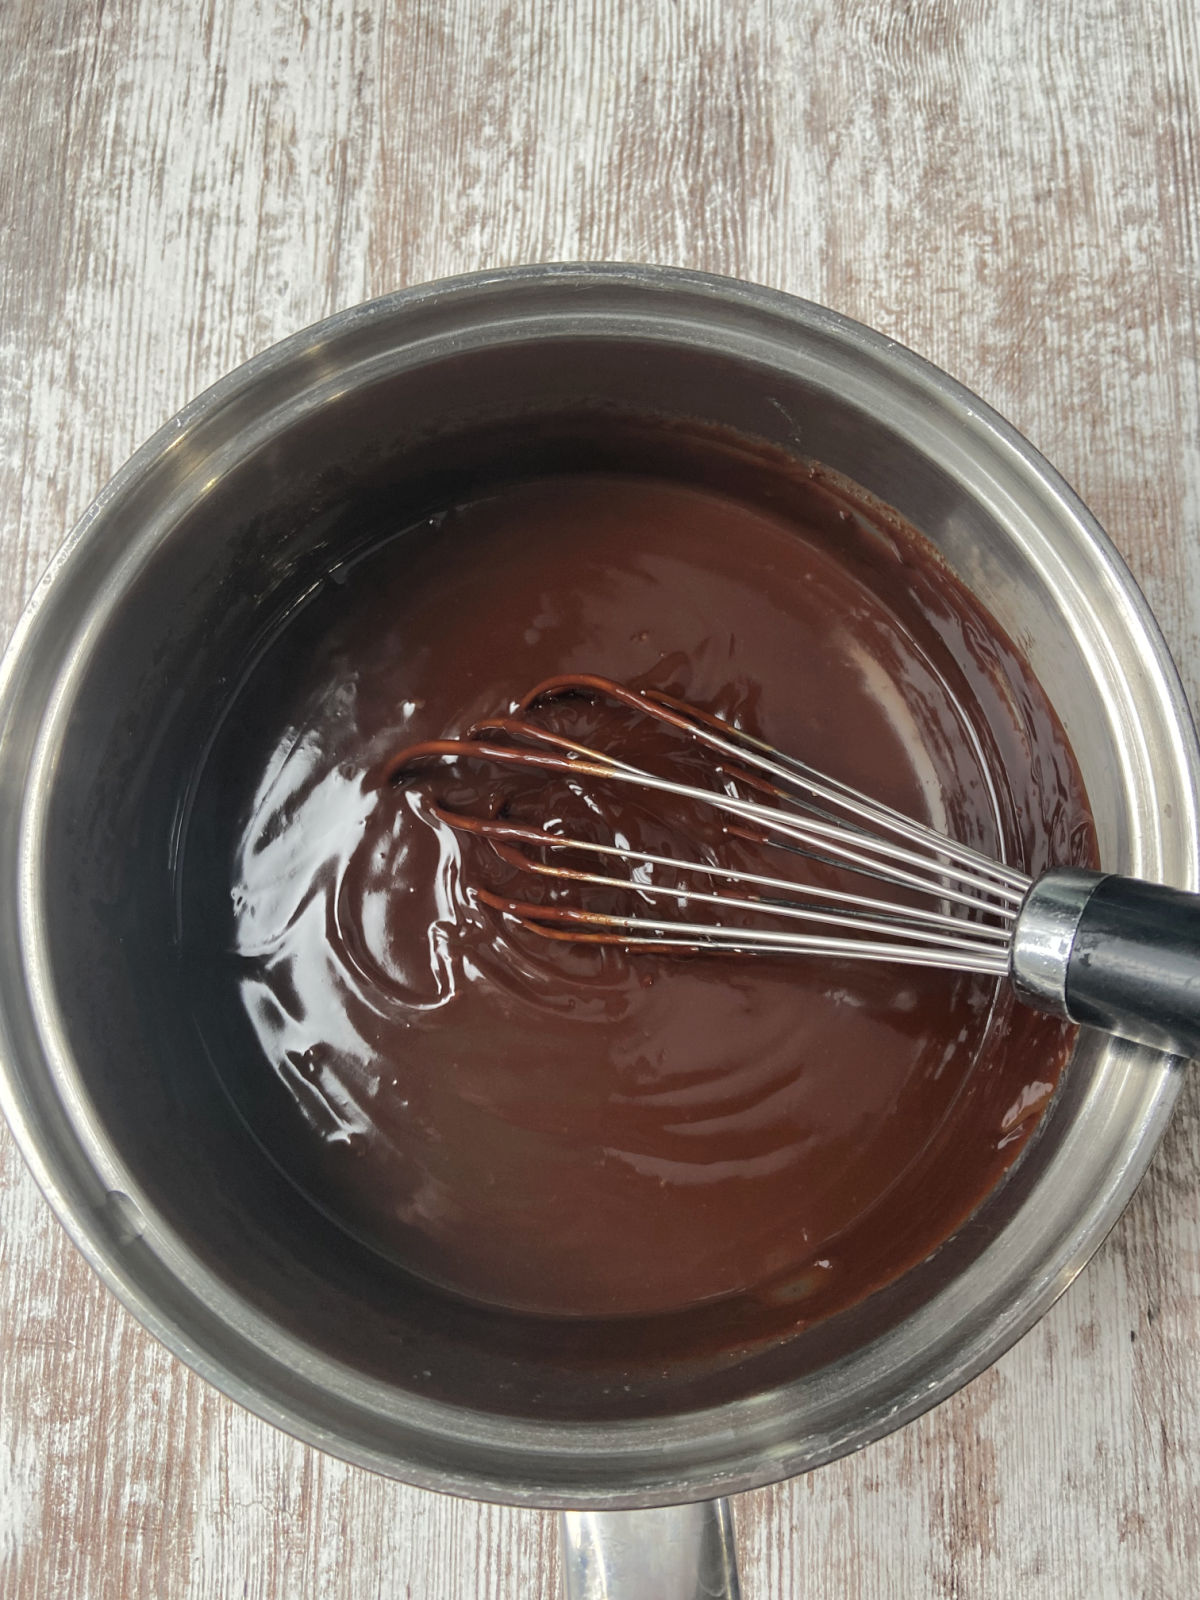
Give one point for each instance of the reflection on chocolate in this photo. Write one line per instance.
(580, 1130)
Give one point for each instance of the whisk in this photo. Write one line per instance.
(1092, 947)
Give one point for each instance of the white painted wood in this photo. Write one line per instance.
(1010, 186)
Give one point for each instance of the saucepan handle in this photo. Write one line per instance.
(672, 1553)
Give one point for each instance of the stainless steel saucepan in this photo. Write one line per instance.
(134, 641)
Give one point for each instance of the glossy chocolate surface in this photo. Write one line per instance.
(574, 1131)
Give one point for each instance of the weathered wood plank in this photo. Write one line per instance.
(1011, 188)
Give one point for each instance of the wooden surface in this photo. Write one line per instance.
(1012, 187)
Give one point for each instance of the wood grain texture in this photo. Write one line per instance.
(1012, 187)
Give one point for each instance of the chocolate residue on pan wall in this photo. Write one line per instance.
(575, 1132)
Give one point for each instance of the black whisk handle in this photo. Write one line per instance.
(1114, 953)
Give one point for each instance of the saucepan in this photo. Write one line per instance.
(137, 638)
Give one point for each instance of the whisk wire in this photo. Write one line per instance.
(850, 903)
(977, 899)
(788, 770)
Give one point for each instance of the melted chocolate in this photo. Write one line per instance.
(585, 1131)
